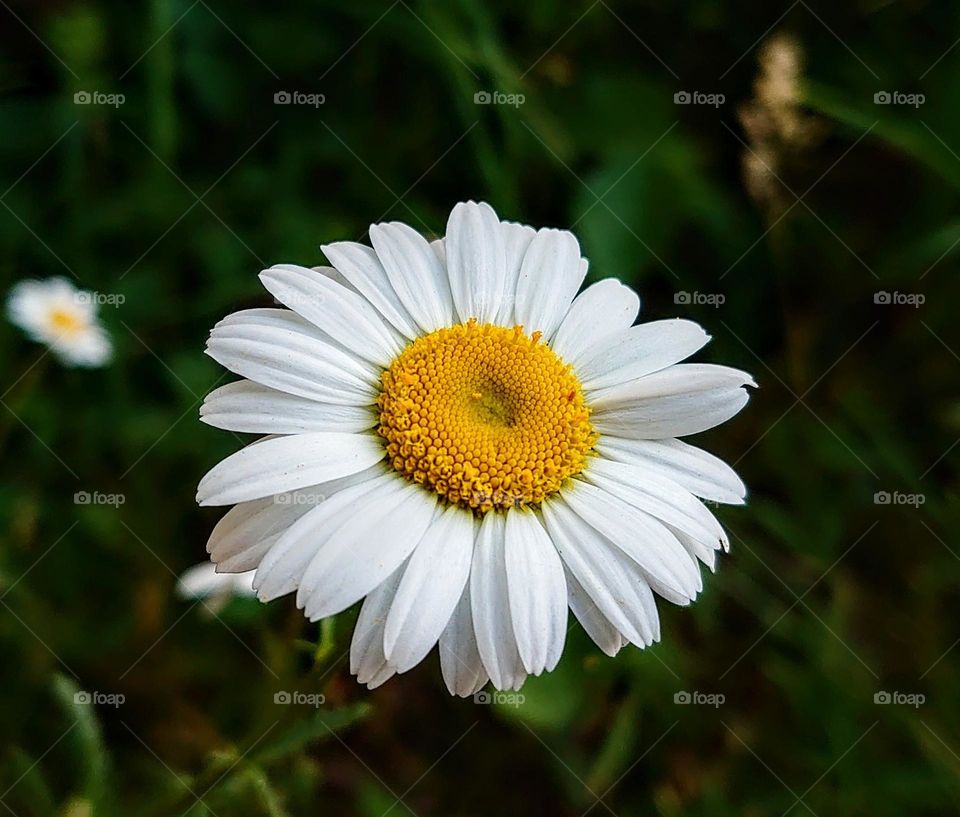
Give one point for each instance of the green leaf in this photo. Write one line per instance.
(32, 786)
(314, 727)
(265, 792)
(618, 748)
(907, 135)
(549, 701)
(86, 738)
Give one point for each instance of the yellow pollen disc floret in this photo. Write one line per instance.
(65, 322)
(485, 416)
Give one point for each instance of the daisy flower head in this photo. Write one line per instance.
(54, 312)
(455, 435)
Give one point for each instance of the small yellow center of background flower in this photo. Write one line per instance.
(65, 322)
(485, 416)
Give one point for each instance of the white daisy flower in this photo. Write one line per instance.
(54, 312)
(457, 436)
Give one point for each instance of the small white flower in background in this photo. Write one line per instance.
(457, 436)
(203, 582)
(54, 312)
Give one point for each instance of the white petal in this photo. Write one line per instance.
(287, 463)
(367, 660)
(28, 306)
(638, 351)
(276, 318)
(601, 310)
(292, 359)
(248, 407)
(91, 347)
(681, 379)
(678, 416)
(650, 491)
(640, 536)
(248, 530)
(335, 275)
(361, 267)
(282, 568)
(697, 549)
(596, 625)
(417, 276)
(364, 550)
(250, 557)
(202, 581)
(286, 319)
(460, 661)
(682, 400)
(604, 573)
(432, 585)
(340, 312)
(516, 238)
(476, 261)
(537, 592)
(490, 604)
(698, 471)
(550, 276)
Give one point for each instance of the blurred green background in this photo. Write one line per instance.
(177, 197)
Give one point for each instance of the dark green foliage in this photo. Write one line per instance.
(826, 598)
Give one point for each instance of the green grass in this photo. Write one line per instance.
(179, 196)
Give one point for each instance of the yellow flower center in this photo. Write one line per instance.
(485, 416)
(65, 322)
